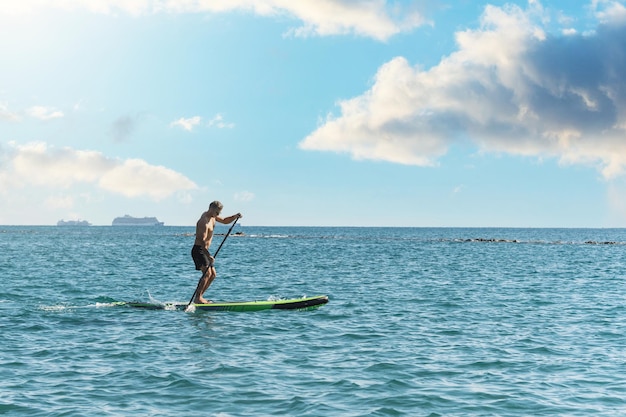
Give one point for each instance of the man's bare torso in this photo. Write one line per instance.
(204, 230)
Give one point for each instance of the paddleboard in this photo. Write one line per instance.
(305, 303)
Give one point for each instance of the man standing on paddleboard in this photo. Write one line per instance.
(200, 251)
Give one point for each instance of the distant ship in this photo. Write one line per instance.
(73, 223)
(136, 221)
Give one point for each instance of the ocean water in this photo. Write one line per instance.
(421, 322)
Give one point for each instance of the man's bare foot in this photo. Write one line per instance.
(201, 300)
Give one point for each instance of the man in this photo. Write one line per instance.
(200, 251)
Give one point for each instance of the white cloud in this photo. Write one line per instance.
(135, 178)
(244, 196)
(36, 164)
(609, 11)
(44, 113)
(133, 7)
(6, 114)
(37, 112)
(185, 198)
(370, 18)
(190, 123)
(59, 202)
(218, 121)
(187, 124)
(508, 88)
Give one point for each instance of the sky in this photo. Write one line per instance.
(424, 113)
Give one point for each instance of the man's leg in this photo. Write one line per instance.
(204, 283)
(201, 283)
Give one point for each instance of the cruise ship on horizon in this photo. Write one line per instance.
(136, 221)
(73, 223)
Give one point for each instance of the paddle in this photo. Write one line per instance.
(214, 256)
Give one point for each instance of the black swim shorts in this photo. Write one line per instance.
(200, 257)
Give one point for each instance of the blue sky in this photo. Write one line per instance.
(325, 112)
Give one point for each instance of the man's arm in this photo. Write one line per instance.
(229, 219)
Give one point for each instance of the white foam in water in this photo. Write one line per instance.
(278, 298)
(102, 305)
(169, 306)
(69, 307)
(152, 299)
(53, 308)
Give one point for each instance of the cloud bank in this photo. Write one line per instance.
(369, 18)
(36, 164)
(509, 88)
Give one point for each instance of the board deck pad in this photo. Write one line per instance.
(304, 303)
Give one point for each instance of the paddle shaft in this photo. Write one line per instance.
(228, 233)
(211, 265)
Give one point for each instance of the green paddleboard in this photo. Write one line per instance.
(292, 304)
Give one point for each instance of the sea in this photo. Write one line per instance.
(420, 322)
